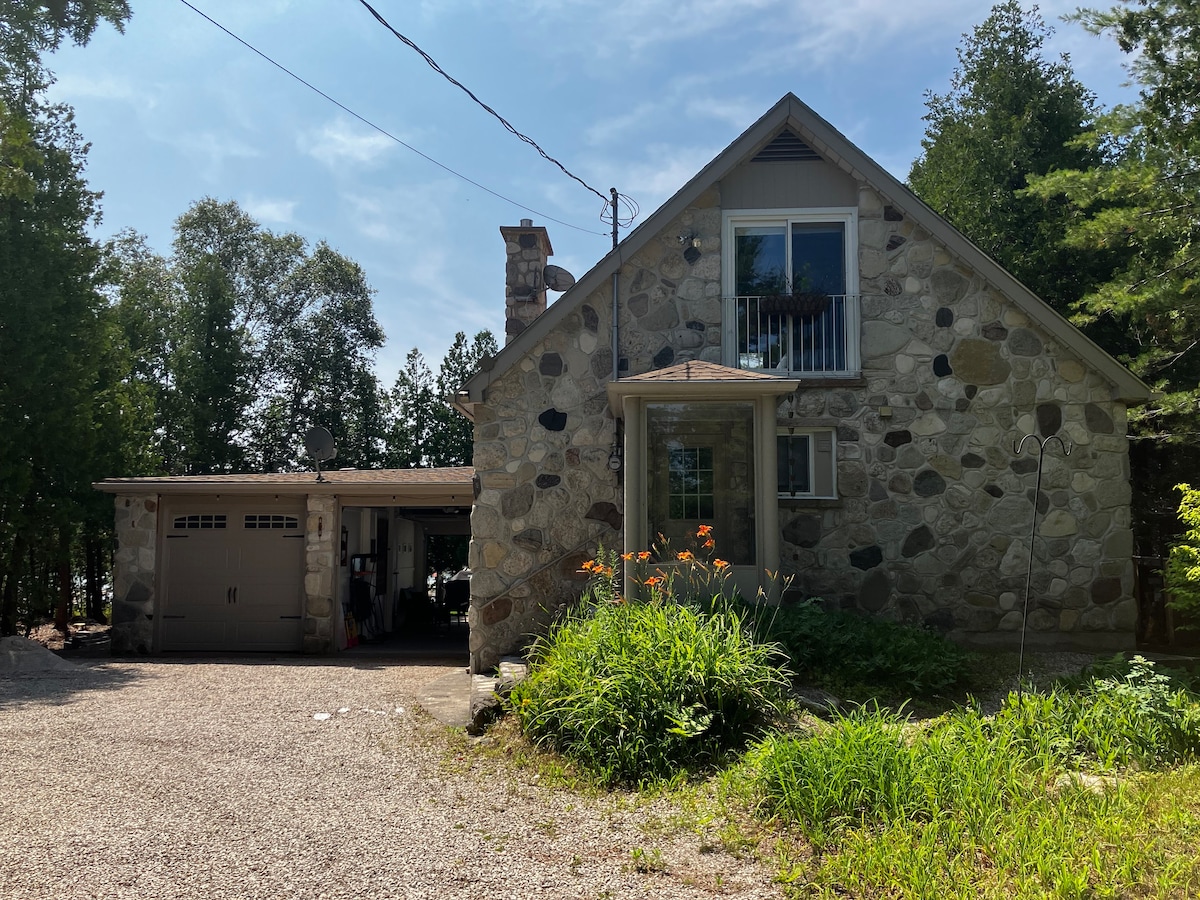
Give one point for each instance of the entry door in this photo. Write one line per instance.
(232, 575)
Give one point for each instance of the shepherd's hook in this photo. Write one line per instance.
(1037, 492)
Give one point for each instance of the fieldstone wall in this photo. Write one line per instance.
(321, 525)
(134, 599)
(935, 507)
(933, 513)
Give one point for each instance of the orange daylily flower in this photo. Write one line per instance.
(643, 556)
(686, 555)
(626, 556)
(709, 544)
(652, 581)
(719, 564)
(704, 531)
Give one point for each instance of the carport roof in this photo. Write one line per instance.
(448, 483)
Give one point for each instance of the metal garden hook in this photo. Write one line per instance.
(1037, 492)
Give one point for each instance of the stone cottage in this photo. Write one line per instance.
(797, 351)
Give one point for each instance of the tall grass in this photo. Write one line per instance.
(637, 691)
(973, 806)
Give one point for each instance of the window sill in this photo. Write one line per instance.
(855, 380)
(812, 502)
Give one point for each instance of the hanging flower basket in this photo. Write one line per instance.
(799, 303)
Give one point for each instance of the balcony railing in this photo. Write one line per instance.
(796, 336)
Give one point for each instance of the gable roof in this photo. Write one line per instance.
(835, 148)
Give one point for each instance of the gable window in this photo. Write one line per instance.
(789, 305)
(805, 463)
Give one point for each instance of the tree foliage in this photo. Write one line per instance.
(1143, 204)
(245, 340)
(1010, 113)
(426, 429)
(60, 404)
(1182, 572)
(28, 30)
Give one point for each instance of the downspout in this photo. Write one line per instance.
(616, 281)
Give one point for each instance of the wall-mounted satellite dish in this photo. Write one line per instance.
(319, 444)
(557, 278)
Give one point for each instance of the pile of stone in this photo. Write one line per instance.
(21, 656)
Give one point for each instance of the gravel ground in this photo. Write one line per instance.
(223, 779)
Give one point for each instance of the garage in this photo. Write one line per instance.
(287, 562)
(232, 574)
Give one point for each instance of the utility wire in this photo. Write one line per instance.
(622, 221)
(383, 131)
(462, 87)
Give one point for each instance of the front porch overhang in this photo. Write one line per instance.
(699, 383)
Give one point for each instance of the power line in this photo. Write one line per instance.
(384, 131)
(630, 203)
(462, 87)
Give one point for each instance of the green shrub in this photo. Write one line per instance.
(636, 691)
(1123, 720)
(1182, 573)
(845, 650)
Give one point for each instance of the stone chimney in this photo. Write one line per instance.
(528, 248)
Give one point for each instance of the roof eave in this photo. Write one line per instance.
(838, 150)
(415, 494)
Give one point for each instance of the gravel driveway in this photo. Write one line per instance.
(217, 779)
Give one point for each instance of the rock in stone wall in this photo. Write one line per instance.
(935, 507)
(134, 600)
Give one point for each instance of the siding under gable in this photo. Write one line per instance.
(788, 185)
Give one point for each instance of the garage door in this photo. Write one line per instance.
(232, 575)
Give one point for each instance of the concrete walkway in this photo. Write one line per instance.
(457, 699)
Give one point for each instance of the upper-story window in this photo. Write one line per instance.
(791, 305)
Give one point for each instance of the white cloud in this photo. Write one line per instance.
(75, 85)
(342, 142)
(267, 210)
(212, 150)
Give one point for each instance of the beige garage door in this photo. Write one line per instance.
(232, 575)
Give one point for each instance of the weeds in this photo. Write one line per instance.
(860, 655)
(637, 691)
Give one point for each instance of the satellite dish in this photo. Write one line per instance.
(557, 278)
(319, 444)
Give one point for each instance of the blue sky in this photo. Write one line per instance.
(632, 94)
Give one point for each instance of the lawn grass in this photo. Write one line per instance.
(1088, 788)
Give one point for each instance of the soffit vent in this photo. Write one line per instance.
(786, 148)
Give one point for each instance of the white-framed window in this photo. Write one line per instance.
(806, 463)
(791, 291)
(203, 521)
